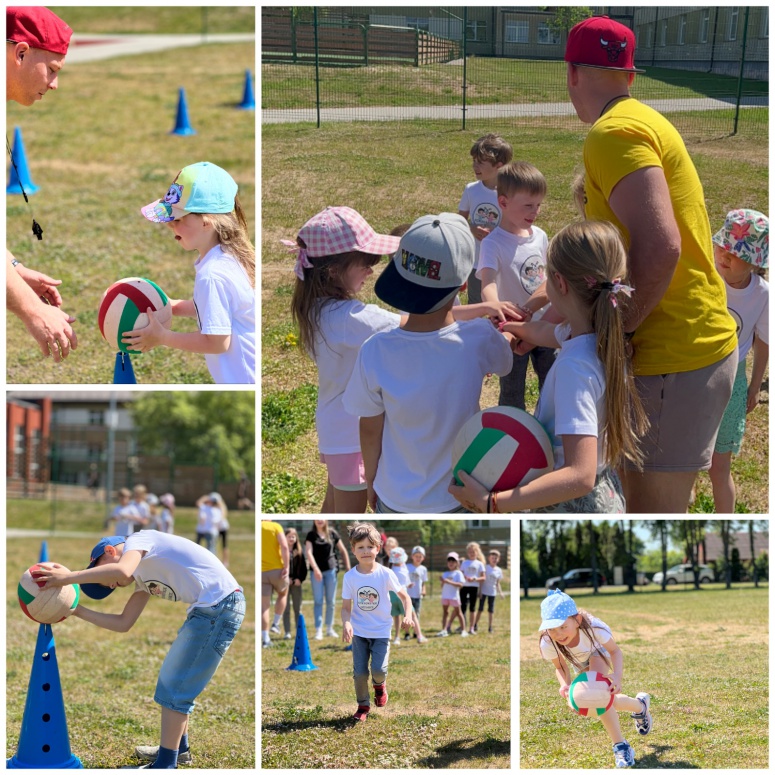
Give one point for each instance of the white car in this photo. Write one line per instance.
(683, 574)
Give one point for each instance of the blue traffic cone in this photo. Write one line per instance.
(301, 657)
(20, 173)
(123, 373)
(248, 99)
(182, 124)
(44, 742)
(43, 552)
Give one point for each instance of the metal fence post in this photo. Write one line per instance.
(317, 63)
(365, 29)
(742, 70)
(465, 61)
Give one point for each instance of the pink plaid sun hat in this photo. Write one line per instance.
(338, 230)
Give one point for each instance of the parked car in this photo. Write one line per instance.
(578, 577)
(683, 574)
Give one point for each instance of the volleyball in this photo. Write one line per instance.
(502, 448)
(123, 309)
(46, 606)
(590, 694)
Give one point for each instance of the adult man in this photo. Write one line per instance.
(275, 567)
(35, 49)
(640, 177)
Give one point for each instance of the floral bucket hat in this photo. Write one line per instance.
(746, 234)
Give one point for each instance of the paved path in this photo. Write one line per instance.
(454, 112)
(14, 532)
(91, 48)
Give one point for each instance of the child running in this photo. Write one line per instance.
(741, 251)
(336, 251)
(570, 637)
(491, 586)
(589, 405)
(452, 580)
(202, 209)
(175, 569)
(366, 619)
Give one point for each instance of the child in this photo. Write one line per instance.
(741, 253)
(589, 405)
(297, 574)
(125, 515)
(140, 502)
(479, 203)
(578, 189)
(576, 637)
(398, 560)
(418, 577)
(473, 570)
(176, 569)
(490, 587)
(209, 520)
(154, 515)
(167, 513)
(368, 622)
(407, 386)
(452, 580)
(512, 267)
(336, 252)
(202, 209)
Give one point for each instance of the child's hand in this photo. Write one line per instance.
(471, 495)
(54, 574)
(616, 683)
(753, 400)
(145, 339)
(407, 622)
(347, 632)
(564, 691)
(480, 232)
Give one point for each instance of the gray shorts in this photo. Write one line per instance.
(685, 412)
(606, 497)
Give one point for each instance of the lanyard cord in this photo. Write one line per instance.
(36, 228)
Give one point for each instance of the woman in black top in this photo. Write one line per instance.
(320, 547)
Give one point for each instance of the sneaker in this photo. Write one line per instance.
(464, 634)
(643, 719)
(380, 694)
(331, 633)
(442, 634)
(476, 628)
(397, 641)
(275, 628)
(148, 753)
(267, 644)
(422, 639)
(458, 630)
(319, 633)
(287, 636)
(472, 632)
(624, 756)
(361, 713)
(408, 636)
(490, 630)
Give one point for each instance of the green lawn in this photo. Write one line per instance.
(702, 656)
(449, 701)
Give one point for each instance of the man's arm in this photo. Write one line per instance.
(641, 201)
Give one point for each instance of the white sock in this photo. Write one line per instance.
(265, 636)
(277, 618)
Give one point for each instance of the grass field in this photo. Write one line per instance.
(108, 678)
(703, 658)
(99, 148)
(422, 167)
(449, 705)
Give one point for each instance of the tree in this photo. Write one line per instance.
(564, 17)
(437, 531)
(691, 533)
(205, 427)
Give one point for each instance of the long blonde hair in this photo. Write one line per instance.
(590, 255)
(586, 627)
(234, 237)
(477, 550)
(296, 551)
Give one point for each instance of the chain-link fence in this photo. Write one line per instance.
(706, 68)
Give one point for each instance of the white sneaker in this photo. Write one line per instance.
(464, 634)
(397, 642)
(275, 628)
(319, 633)
(472, 632)
(331, 632)
(442, 634)
(287, 636)
(422, 639)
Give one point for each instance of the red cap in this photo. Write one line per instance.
(38, 27)
(603, 43)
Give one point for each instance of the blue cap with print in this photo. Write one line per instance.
(555, 609)
(99, 591)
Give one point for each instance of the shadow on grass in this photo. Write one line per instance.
(335, 725)
(654, 761)
(460, 750)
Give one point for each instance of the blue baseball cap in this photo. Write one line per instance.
(555, 609)
(199, 188)
(99, 591)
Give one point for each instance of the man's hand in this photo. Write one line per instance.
(52, 329)
(43, 285)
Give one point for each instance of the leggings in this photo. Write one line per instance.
(295, 595)
(468, 595)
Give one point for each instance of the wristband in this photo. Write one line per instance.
(15, 262)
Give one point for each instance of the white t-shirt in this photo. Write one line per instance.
(448, 591)
(583, 651)
(225, 304)
(750, 308)
(344, 327)
(572, 400)
(491, 578)
(481, 204)
(176, 569)
(417, 381)
(402, 574)
(210, 520)
(167, 521)
(472, 568)
(418, 575)
(370, 593)
(126, 519)
(519, 262)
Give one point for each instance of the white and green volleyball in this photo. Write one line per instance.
(46, 606)
(590, 694)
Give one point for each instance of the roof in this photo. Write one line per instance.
(72, 396)
(740, 541)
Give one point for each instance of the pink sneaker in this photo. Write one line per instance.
(380, 694)
(361, 713)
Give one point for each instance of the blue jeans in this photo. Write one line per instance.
(197, 651)
(327, 586)
(363, 648)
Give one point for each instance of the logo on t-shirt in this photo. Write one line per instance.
(738, 321)
(159, 589)
(368, 598)
(532, 274)
(487, 215)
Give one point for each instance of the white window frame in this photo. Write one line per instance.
(734, 20)
(473, 28)
(702, 35)
(516, 26)
(682, 30)
(662, 33)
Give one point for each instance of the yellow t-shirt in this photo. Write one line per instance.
(690, 327)
(271, 558)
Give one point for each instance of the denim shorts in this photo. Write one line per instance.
(197, 651)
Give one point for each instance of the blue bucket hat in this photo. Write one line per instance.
(555, 609)
(99, 591)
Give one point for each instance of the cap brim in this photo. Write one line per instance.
(618, 69)
(550, 624)
(95, 591)
(158, 212)
(381, 245)
(410, 297)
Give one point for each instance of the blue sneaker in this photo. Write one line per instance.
(643, 719)
(624, 756)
